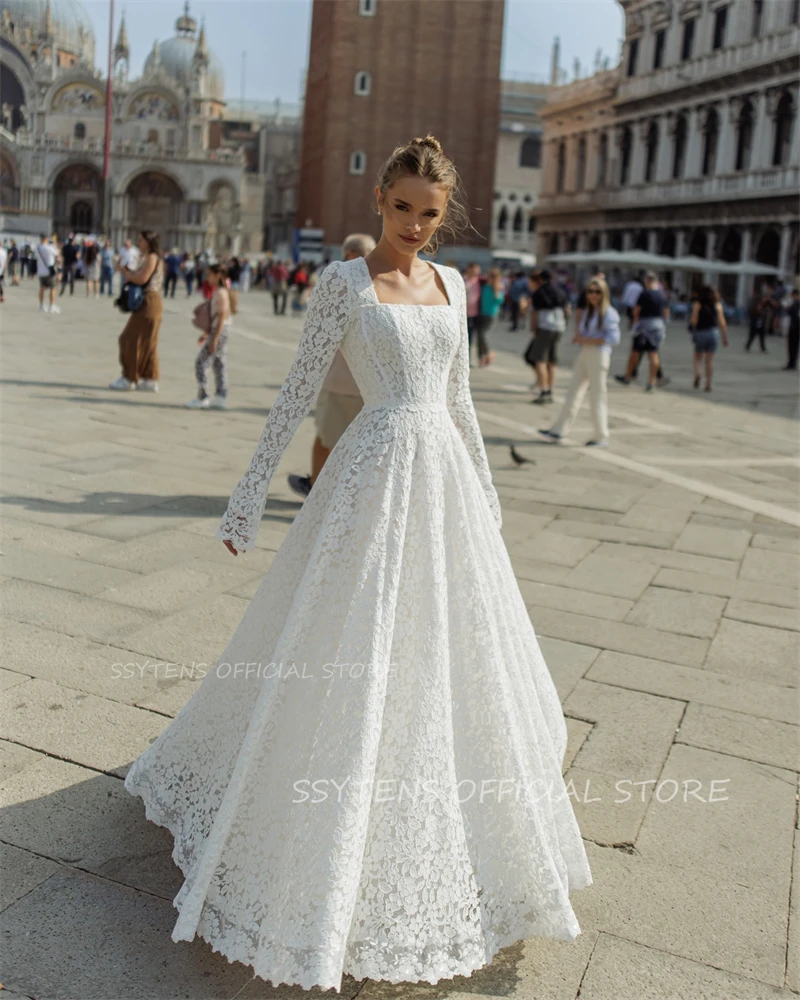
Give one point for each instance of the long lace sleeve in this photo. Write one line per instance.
(326, 321)
(462, 409)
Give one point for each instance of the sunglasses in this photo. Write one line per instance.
(594, 291)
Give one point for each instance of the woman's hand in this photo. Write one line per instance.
(229, 546)
(212, 345)
(202, 338)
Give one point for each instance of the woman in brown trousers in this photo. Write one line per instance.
(138, 342)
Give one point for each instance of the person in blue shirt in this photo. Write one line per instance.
(107, 268)
(597, 334)
(493, 294)
(517, 292)
(172, 268)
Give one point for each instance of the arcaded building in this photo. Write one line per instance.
(176, 165)
(381, 72)
(690, 146)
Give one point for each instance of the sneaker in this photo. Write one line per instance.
(219, 403)
(651, 387)
(300, 484)
(663, 381)
(43, 308)
(147, 385)
(550, 434)
(122, 383)
(198, 403)
(54, 309)
(622, 379)
(697, 381)
(603, 443)
(542, 398)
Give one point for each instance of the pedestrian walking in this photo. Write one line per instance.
(474, 284)
(138, 342)
(3, 264)
(793, 331)
(214, 349)
(189, 272)
(650, 315)
(107, 268)
(69, 259)
(47, 270)
(550, 310)
(339, 400)
(518, 297)
(630, 296)
(761, 314)
(13, 264)
(172, 270)
(493, 295)
(708, 326)
(598, 334)
(91, 262)
(279, 278)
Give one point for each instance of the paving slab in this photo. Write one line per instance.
(793, 937)
(22, 871)
(64, 572)
(669, 558)
(763, 614)
(761, 740)
(546, 595)
(695, 684)
(725, 586)
(781, 568)
(608, 575)
(622, 970)
(674, 611)
(721, 543)
(652, 518)
(755, 651)
(615, 533)
(104, 735)
(566, 661)
(551, 547)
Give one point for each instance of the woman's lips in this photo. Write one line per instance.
(410, 239)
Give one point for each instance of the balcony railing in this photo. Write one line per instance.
(758, 51)
(755, 183)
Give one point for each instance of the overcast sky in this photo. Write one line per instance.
(275, 36)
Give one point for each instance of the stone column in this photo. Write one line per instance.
(592, 160)
(627, 240)
(652, 241)
(680, 250)
(639, 132)
(726, 141)
(571, 164)
(665, 147)
(783, 256)
(761, 147)
(694, 147)
(744, 281)
(711, 277)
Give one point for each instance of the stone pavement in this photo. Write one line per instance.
(661, 576)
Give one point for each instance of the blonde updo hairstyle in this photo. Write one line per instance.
(426, 158)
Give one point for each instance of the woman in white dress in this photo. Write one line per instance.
(369, 781)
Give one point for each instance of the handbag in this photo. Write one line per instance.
(130, 298)
(201, 317)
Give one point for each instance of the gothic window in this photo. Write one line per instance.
(720, 27)
(580, 173)
(366, 8)
(687, 45)
(363, 83)
(561, 166)
(633, 56)
(531, 152)
(518, 221)
(358, 162)
(658, 48)
(783, 131)
(679, 151)
(744, 136)
(710, 139)
(531, 224)
(79, 131)
(502, 219)
(625, 150)
(794, 13)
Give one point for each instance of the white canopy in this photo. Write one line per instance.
(661, 262)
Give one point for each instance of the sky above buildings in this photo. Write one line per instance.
(275, 35)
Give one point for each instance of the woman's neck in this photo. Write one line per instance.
(384, 253)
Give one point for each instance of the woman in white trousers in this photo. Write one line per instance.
(597, 334)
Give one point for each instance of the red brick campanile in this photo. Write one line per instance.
(433, 66)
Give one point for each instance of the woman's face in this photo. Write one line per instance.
(143, 245)
(213, 278)
(413, 209)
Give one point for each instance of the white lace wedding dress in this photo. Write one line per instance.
(379, 792)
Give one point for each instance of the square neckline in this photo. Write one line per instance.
(406, 305)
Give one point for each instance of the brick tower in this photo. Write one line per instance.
(381, 72)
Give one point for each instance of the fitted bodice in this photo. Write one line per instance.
(399, 354)
(403, 357)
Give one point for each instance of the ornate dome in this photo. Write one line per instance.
(176, 54)
(71, 25)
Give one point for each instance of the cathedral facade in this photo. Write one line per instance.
(171, 169)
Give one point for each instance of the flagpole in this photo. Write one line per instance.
(107, 143)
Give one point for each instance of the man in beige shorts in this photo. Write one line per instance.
(339, 399)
